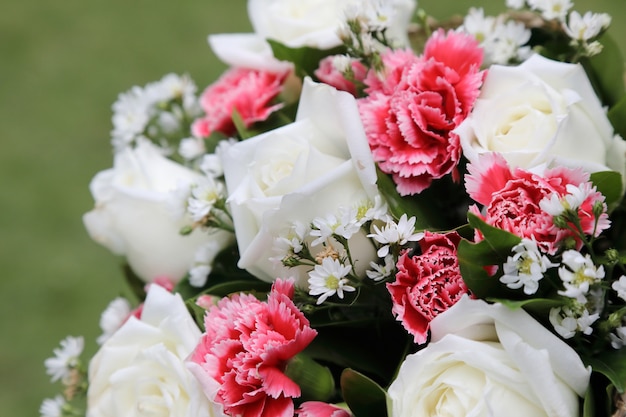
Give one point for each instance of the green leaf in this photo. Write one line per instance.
(589, 403)
(617, 116)
(364, 397)
(609, 183)
(606, 71)
(423, 210)
(538, 305)
(240, 125)
(475, 257)
(611, 364)
(305, 59)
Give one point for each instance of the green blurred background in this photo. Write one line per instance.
(62, 65)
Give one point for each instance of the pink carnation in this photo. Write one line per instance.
(321, 409)
(245, 348)
(426, 285)
(512, 200)
(409, 117)
(394, 63)
(248, 91)
(329, 74)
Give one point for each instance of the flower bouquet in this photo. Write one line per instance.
(369, 213)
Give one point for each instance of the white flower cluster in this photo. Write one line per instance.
(581, 279)
(324, 245)
(503, 40)
(526, 267)
(154, 111)
(582, 29)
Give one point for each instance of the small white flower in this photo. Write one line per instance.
(198, 275)
(292, 241)
(551, 9)
(112, 318)
(211, 165)
(392, 233)
(342, 63)
(586, 27)
(593, 48)
(191, 148)
(52, 407)
(477, 24)
(203, 198)
(618, 339)
(507, 41)
(65, 358)
(575, 197)
(380, 272)
(619, 286)
(526, 267)
(328, 279)
(578, 275)
(568, 321)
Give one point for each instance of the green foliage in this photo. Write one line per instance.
(609, 183)
(606, 71)
(612, 365)
(305, 59)
(364, 397)
(474, 258)
(617, 116)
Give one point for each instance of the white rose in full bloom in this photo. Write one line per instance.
(542, 111)
(310, 168)
(140, 370)
(489, 360)
(135, 213)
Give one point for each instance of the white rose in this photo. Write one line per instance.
(542, 111)
(134, 213)
(489, 360)
(315, 23)
(140, 370)
(310, 168)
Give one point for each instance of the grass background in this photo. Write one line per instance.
(62, 65)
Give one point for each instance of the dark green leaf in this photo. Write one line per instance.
(609, 183)
(364, 397)
(589, 403)
(136, 284)
(611, 364)
(474, 258)
(305, 59)
(423, 210)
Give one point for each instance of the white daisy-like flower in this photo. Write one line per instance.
(619, 286)
(342, 63)
(211, 165)
(395, 233)
(203, 262)
(618, 338)
(65, 358)
(526, 267)
(585, 27)
(52, 407)
(506, 42)
(551, 9)
(198, 275)
(578, 274)
(292, 241)
(555, 205)
(203, 198)
(112, 318)
(376, 210)
(478, 25)
(329, 279)
(380, 272)
(191, 148)
(568, 321)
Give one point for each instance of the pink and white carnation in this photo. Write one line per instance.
(428, 284)
(515, 200)
(241, 358)
(409, 128)
(249, 92)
